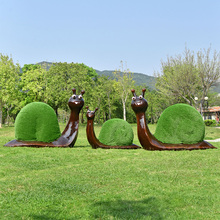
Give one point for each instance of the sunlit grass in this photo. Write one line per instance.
(83, 183)
(212, 133)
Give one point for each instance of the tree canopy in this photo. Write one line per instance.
(182, 78)
(9, 75)
(187, 76)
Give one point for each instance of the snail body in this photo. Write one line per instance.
(93, 140)
(31, 138)
(150, 142)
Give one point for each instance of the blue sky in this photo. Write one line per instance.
(101, 33)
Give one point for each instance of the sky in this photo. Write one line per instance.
(101, 33)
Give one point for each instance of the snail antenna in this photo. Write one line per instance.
(96, 109)
(87, 107)
(143, 92)
(82, 92)
(74, 91)
(133, 91)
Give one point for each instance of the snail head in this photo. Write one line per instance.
(90, 114)
(139, 103)
(76, 101)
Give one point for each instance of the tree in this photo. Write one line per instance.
(33, 84)
(62, 77)
(90, 71)
(9, 75)
(123, 85)
(28, 67)
(103, 97)
(209, 70)
(185, 77)
(179, 80)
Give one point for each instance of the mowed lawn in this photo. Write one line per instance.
(84, 183)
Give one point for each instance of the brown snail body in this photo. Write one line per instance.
(92, 139)
(68, 136)
(147, 140)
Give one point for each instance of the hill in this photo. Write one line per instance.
(139, 78)
(46, 65)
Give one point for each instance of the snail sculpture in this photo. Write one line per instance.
(68, 136)
(94, 142)
(148, 141)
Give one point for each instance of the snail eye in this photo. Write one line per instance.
(80, 97)
(133, 98)
(140, 97)
(73, 96)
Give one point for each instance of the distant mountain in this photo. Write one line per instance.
(46, 65)
(139, 78)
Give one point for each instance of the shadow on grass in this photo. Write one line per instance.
(125, 209)
(149, 208)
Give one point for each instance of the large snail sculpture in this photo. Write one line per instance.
(68, 136)
(147, 140)
(92, 139)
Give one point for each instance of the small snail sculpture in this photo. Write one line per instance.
(68, 136)
(94, 142)
(147, 140)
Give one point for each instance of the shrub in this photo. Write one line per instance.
(180, 123)
(210, 122)
(37, 121)
(116, 132)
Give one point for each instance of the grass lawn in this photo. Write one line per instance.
(83, 183)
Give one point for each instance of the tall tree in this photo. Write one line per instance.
(9, 75)
(33, 83)
(103, 97)
(123, 85)
(187, 76)
(62, 77)
(209, 70)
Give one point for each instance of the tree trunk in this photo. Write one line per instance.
(82, 119)
(124, 111)
(8, 117)
(56, 111)
(104, 116)
(98, 118)
(109, 107)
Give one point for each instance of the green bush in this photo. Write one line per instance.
(210, 122)
(180, 124)
(37, 121)
(116, 132)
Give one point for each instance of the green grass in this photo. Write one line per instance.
(212, 133)
(83, 183)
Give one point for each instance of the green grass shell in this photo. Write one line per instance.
(180, 123)
(116, 132)
(37, 121)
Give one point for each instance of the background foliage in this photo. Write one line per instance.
(181, 79)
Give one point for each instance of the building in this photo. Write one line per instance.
(212, 113)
